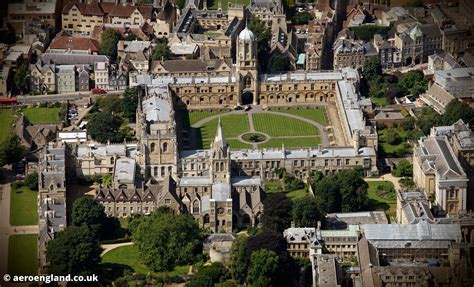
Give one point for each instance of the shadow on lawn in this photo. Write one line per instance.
(111, 271)
(378, 205)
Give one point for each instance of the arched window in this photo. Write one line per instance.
(58, 185)
(162, 171)
(222, 166)
(217, 166)
(165, 147)
(206, 220)
(196, 206)
(112, 160)
(152, 147)
(155, 171)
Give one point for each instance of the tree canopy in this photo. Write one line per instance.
(238, 259)
(207, 276)
(263, 268)
(22, 78)
(11, 150)
(161, 52)
(280, 64)
(105, 127)
(404, 168)
(263, 36)
(75, 250)
(306, 212)
(413, 83)
(367, 32)
(109, 42)
(456, 110)
(130, 104)
(165, 240)
(345, 191)
(88, 212)
(277, 212)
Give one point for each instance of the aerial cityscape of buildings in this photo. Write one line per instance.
(342, 130)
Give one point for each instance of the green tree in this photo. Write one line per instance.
(130, 104)
(110, 104)
(404, 168)
(207, 276)
(456, 110)
(277, 212)
(327, 190)
(353, 190)
(428, 119)
(105, 127)
(408, 123)
(31, 181)
(238, 259)
(107, 180)
(306, 212)
(11, 150)
(413, 83)
(302, 18)
(109, 42)
(180, 3)
(280, 64)
(75, 250)
(22, 78)
(161, 52)
(88, 212)
(372, 69)
(263, 36)
(391, 136)
(165, 240)
(131, 37)
(367, 32)
(263, 268)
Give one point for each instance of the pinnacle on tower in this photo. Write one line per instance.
(220, 141)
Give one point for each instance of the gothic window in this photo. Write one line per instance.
(152, 147)
(206, 219)
(162, 171)
(222, 166)
(155, 171)
(165, 147)
(196, 206)
(112, 160)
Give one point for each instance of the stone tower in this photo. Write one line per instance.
(247, 67)
(220, 158)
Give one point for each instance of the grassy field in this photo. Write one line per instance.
(6, 121)
(275, 125)
(315, 114)
(233, 126)
(129, 256)
(212, 4)
(42, 115)
(23, 210)
(382, 200)
(382, 101)
(236, 144)
(395, 150)
(291, 142)
(22, 254)
(192, 117)
(274, 186)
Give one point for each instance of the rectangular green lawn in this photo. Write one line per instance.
(42, 115)
(276, 125)
(212, 4)
(233, 126)
(192, 117)
(291, 142)
(22, 254)
(6, 122)
(236, 144)
(380, 203)
(315, 114)
(129, 255)
(23, 209)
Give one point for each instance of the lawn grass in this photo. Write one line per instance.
(128, 255)
(315, 114)
(386, 203)
(22, 254)
(6, 120)
(236, 144)
(23, 209)
(192, 117)
(291, 142)
(42, 115)
(395, 150)
(212, 4)
(382, 101)
(233, 126)
(274, 186)
(275, 125)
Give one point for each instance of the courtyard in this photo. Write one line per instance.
(296, 127)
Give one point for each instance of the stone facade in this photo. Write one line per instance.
(43, 78)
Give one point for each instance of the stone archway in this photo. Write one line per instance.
(247, 98)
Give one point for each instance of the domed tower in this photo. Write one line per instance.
(247, 67)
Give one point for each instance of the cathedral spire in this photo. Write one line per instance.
(220, 141)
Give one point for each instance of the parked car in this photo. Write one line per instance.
(98, 91)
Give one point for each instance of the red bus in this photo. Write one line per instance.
(4, 102)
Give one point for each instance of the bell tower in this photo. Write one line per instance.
(247, 67)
